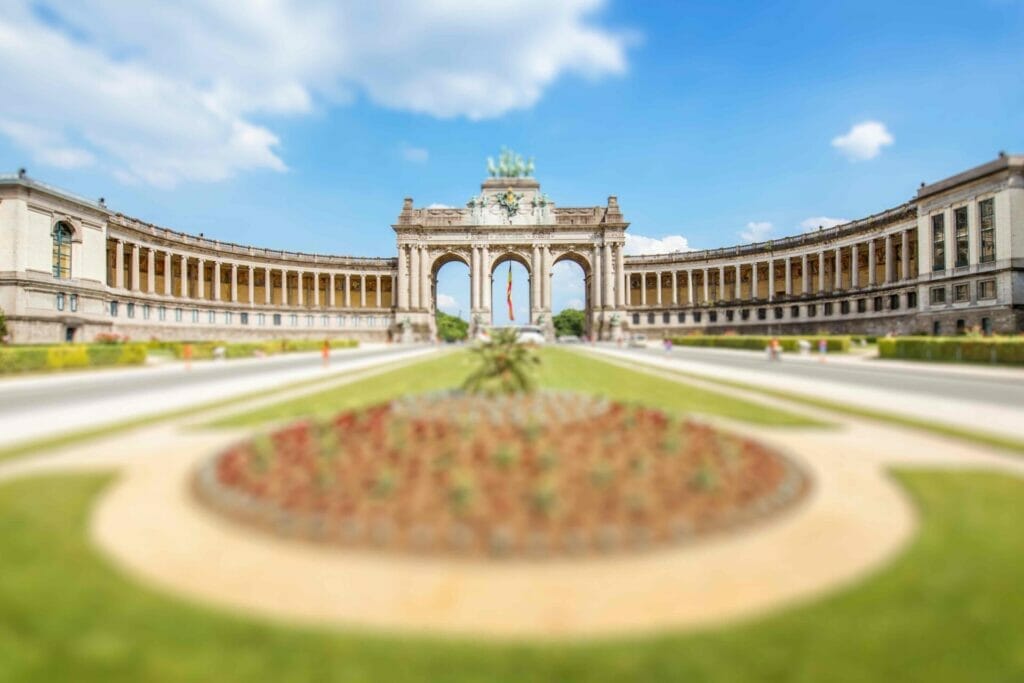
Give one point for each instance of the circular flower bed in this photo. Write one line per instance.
(526, 475)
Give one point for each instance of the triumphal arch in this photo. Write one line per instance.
(511, 218)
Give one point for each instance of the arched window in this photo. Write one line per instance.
(61, 251)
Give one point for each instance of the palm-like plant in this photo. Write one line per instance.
(505, 366)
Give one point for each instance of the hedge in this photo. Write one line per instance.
(759, 343)
(14, 359)
(203, 350)
(1007, 351)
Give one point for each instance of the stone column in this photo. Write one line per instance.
(872, 280)
(821, 272)
(184, 276)
(119, 264)
(362, 293)
(403, 282)
(485, 280)
(643, 288)
(135, 268)
(151, 271)
(789, 277)
(620, 270)
(300, 281)
(890, 265)
(414, 279)
(234, 282)
(689, 286)
(707, 295)
(348, 289)
(805, 273)
(424, 279)
(252, 286)
(721, 283)
(216, 281)
(378, 292)
(657, 291)
(316, 289)
(595, 278)
(771, 278)
(474, 278)
(268, 284)
(201, 279)
(331, 296)
(838, 284)
(754, 284)
(545, 262)
(905, 254)
(675, 288)
(608, 278)
(854, 267)
(168, 274)
(738, 289)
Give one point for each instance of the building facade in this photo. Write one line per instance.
(949, 260)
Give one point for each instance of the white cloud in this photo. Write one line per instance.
(169, 92)
(815, 222)
(46, 147)
(415, 155)
(447, 303)
(439, 206)
(756, 231)
(864, 141)
(637, 245)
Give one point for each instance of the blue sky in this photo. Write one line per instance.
(300, 125)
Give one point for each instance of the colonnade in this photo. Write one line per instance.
(200, 278)
(883, 260)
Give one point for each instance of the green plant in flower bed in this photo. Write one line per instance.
(454, 473)
(204, 350)
(504, 366)
(14, 359)
(999, 350)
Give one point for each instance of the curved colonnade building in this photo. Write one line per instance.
(950, 259)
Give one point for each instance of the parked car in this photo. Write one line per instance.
(638, 340)
(531, 334)
(568, 339)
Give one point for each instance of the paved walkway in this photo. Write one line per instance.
(854, 522)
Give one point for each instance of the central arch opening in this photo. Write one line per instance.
(571, 295)
(522, 284)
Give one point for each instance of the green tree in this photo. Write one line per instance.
(451, 328)
(3, 326)
(569, 321)
(505, 366)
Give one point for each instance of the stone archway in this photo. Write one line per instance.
(577, 256)
(503, 256)
(439, 262)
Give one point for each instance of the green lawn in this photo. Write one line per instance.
(951, 608)
(560, 370)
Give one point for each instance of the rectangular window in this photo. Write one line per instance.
(229, 317)
(745, 314)
(261, 319)
(877, 304)
(681, 317)
(113, 309)
(812, 310)
(778, 313)
(696, 316)
(911, 299)
(961, 293)
(161, 313)
(960, 225)
(293, 319)
(309, 321)
(828, 309)
(894, 302)
(636, 319)
(341, 320)
(712, 316)
(794, 311)
(60, 301)
(650, 318)
(74, 303)
(177, 315)
(729, 315)
(325, 320)
(129, 310)
(145, 311)
(987, 230)
(862, 305)
(937, 296)
(938, 242)
(277, 319)
(844, 307)
(762, 313)
(987, 289)
(195, 315)
(666, 318)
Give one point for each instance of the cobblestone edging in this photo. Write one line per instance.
(461, 539)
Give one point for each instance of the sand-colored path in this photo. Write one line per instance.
(854, 521)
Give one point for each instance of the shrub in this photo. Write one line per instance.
(15, 359)
(760, 342)
(1007, 351)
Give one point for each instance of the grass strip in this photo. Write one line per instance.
(948, 610)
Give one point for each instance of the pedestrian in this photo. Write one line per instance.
(822, 348)
(186, 353)
(667, 343)
(325, 352)
(776, 348)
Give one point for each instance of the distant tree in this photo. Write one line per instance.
(451, 328)
(569, 321)
(3, 327)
